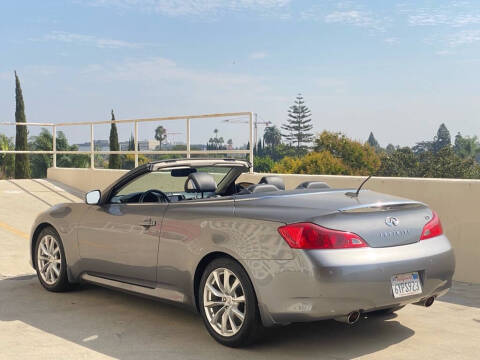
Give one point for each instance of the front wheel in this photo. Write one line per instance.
(228, 304)
(50, 261)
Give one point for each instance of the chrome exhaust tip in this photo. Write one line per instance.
(426, 302)
(349, 319)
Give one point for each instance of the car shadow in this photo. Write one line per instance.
(125, 326)
(462, 293)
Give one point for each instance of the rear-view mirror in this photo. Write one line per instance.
(182, 172)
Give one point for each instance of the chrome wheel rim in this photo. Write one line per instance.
(49, 259)
(224, 302)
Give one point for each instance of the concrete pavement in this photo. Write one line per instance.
(96, 323)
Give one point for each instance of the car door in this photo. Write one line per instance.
(120, 240)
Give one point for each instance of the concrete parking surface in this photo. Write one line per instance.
(97, 323)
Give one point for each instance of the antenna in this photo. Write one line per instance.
(355, 194)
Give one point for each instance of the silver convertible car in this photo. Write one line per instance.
(245, 256)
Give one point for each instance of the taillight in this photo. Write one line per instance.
(432, 228)
(311, 236)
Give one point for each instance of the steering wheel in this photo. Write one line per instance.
(160, 195)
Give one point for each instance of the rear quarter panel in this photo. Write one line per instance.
(192, 230)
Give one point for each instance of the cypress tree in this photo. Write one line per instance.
(373, 142)
(114, 160)
(131, 143)
(298, 125)
(22, 162)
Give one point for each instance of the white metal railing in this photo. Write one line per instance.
(188, 152)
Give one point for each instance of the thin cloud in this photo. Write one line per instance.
(391, 40)
(450, 13)
(346, 13)
(464, 37)
(99, 42)
(352, 17)
(190, 7)
(258, 55)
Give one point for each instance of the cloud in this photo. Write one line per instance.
(104, 43)
(346, 13)
(464, 37)
(190, 7)
(258, 55)
(162, 70)
(391, 40)
(450, 13)
(426, 18)
(444, 52)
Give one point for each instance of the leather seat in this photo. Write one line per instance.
(260, 188)
(273, 180)
(313, 185)
(200, 182)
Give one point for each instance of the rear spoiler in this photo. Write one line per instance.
(382, 206)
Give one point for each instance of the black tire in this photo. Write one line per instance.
(61, 284)
(251, 327)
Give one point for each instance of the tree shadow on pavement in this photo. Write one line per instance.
(125, 326)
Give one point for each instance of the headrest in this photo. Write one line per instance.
(259, 188)
(273, 180)
(200, 182)
(313, 185)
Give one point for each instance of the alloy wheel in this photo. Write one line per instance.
(49, 259)
(224, 302)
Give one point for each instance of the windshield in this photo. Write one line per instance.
(170, 181)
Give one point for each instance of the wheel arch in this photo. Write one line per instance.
(33, 242)
(207, 259)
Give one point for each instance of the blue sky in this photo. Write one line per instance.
(398, 69)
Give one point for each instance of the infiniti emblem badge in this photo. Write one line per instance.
(392, 221)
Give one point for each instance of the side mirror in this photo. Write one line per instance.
(93, 197)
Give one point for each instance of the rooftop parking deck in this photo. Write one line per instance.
(97, 323)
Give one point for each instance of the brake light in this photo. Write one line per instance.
(432, 228)
(312, 236)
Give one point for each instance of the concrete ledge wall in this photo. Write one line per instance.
(85, 179)
(456, 201)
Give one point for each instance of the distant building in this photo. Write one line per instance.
(102, 145)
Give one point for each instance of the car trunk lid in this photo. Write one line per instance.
(381, 220)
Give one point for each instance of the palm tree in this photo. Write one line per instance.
(272, 136)
(160, 135)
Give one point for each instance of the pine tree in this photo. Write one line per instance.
(299, 124)
(114, 160)
(22, 161)
(443, 138)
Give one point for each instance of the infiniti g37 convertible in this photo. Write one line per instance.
(244, 255)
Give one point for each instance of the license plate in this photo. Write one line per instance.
(406, 285)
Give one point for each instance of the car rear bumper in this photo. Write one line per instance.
(324, 284)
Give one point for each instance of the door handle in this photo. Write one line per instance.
(148, 222)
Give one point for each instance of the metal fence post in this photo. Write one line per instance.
(188, 138)
(135, 132)
(54, 145)
(92, 148)
(250, 123)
